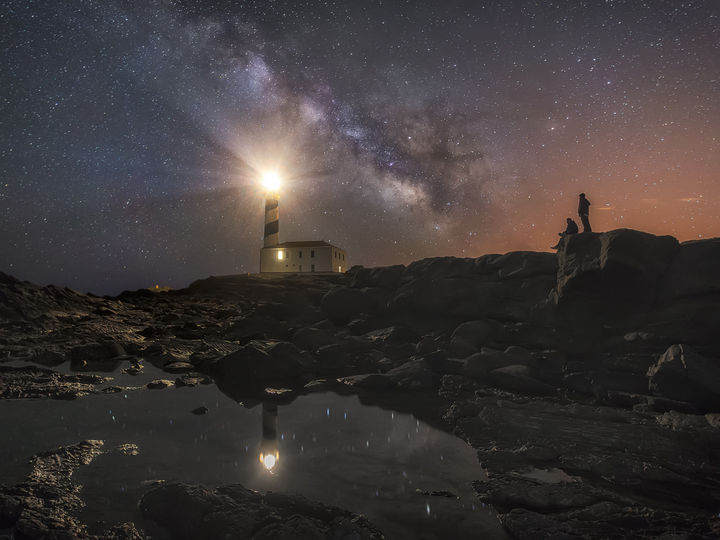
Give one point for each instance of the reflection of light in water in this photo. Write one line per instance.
(269, 452)
(269, 460)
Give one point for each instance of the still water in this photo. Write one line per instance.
(327, 447)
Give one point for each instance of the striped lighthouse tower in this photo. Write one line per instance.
(272, 220)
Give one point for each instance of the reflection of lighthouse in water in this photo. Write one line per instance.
(269, 450)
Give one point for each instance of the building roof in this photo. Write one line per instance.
(305, 243)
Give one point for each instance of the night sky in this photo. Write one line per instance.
(132, 134)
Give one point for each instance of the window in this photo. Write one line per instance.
(312, 267)
(339, 268)
(300, 268)
(300, 254)
(312, 253)
(280, 255)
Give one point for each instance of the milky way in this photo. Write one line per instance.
(132, 134)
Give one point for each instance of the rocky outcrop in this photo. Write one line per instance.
(45, 505)
(252, 365)
(190, 512)
(683, 375)
(34, 382)
(593, 472)
(563, 371)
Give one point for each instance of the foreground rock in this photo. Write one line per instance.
(683, 375)
(45, 506)
(35, 382)
(595, 472)
(190, 512)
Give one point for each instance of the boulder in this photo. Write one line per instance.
(694, 271)
(287, 353)
(414, 375)
(682, 374)
(159, 384)
(613, 273)
(468, 337)
(251, 365)
(311, 339)
(178, 367)
(341, 304)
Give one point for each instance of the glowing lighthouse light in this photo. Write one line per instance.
(271, 181)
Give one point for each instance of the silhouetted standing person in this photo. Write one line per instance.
(584, 213)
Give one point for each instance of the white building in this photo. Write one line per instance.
(296, 257)
(308, 256)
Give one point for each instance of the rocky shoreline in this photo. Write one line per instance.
(587, 381)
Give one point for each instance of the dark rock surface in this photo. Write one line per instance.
(588, 381)
(35, 382)
(44, 506)
(683, 375)
(190, 512)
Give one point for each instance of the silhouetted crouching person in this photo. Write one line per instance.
(571, 228)
(584, 213)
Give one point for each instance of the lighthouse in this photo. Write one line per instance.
(293, 257)
(272, 220)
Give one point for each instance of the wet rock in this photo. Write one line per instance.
(186, 511)
(192, 379)
(46, 504)
(159, 384)
(607, 452)
(287, 353)
(606, 520)
(435, 493)
(251, 365)
(351, 356)
(683, 375)
(178, 367)
(35, 382)
(371, 381)
(518, 490)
